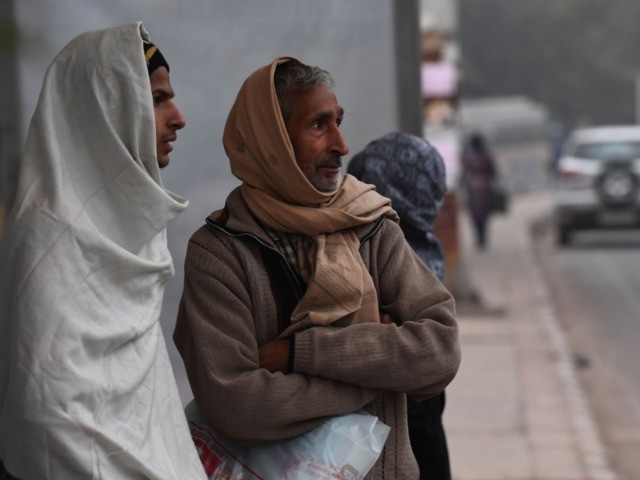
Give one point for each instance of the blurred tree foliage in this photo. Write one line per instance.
(579, 57)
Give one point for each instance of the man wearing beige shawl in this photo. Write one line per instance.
(302, 299)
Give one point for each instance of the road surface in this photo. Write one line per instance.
(596, 285)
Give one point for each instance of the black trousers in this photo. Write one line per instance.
(480, 228)
(427, 437)
(4, 475)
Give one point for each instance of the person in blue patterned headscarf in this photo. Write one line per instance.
(410, 171)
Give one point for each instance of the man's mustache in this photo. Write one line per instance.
(330, 161)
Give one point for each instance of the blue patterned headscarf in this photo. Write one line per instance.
(410, 171)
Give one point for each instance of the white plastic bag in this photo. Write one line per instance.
(343, 448)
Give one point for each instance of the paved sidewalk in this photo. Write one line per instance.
(516, 409)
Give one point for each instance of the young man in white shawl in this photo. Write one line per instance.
(302, 300)
(86, 387)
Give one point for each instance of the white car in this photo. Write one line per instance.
(597, 180)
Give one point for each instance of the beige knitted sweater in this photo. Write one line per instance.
(239, 293)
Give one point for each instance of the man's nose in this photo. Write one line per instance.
(178, 122)
(340, 145)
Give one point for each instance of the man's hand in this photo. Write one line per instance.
(274, 356)
(386, 318)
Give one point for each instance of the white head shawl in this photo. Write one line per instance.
(86, 387)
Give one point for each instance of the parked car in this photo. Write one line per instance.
(597, 180)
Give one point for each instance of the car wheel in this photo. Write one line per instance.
(617, 185)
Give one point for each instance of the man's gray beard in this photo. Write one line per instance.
(326, 185)
(322, 184)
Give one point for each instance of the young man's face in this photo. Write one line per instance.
(314, 132)
(168, 118)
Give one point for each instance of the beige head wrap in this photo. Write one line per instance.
(281, 197)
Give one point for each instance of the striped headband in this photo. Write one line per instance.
(153, 57)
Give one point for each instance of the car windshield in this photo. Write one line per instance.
(608, 150)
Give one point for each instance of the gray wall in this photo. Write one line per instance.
(212, 46)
